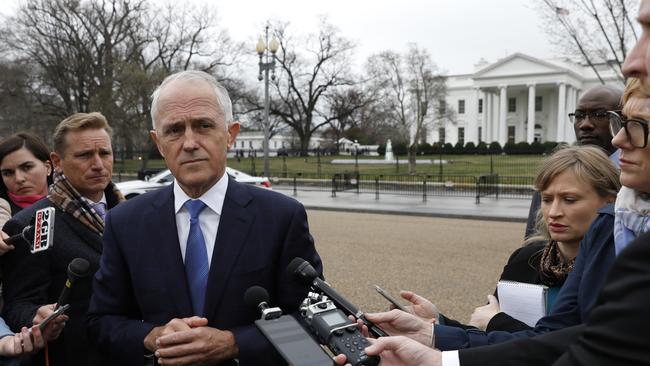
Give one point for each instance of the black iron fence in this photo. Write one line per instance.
(491, 185)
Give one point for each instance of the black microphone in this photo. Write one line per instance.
(303, 271)
(258, 297)
(288, 337)
(77, 269)
(40, 235)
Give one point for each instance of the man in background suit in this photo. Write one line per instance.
(177, 261)
(82, 191)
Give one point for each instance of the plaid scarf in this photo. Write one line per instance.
(65, 197)
(553, 268)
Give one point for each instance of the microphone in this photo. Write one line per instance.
(288, 337)
(77, 269)
(303, 271)
(40, 235)
(258, 297)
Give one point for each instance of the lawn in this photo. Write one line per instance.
(513, 165)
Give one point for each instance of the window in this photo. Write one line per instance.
(250, 144)
(480, 105)
(480, 134)
(511, 134)
(512, 104)
(442, 107)
(461, 106)
(538, 104)
(461, 136)
(275, 144)
(441, 135)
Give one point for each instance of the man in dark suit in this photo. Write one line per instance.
(177, 261)
(82, 191)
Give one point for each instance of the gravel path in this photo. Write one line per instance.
(454, 263)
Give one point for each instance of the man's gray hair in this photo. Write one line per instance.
(222, 94)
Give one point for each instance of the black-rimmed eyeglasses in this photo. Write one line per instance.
(636, 129)
(597, 116)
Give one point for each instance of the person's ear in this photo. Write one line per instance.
(56, 161)
(156, 140)
(233, 130)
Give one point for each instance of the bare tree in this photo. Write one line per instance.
(108, 55)
(409, 87)
(600, 32)
(306, 78)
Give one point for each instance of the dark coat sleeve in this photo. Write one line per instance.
(618, 329)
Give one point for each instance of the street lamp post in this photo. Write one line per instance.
(266, 64)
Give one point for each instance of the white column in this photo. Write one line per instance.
(561, 111)
(471, 135)
(503, 109)
(495, 117)
(530, 133)
(569, 132)
(488, 118)
(484, 124)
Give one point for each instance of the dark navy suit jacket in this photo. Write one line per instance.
(141, 282)
(574, 301)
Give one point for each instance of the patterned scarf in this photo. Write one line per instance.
(67, 198)
(553, 267)
(631, 217)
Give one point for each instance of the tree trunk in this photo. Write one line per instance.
(412, 152)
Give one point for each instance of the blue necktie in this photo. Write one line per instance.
(196, 258)
(100, 208)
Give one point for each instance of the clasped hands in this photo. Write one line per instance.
(189, 341)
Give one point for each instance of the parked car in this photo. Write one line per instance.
(133, 188)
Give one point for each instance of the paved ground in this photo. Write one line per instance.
(450, 207)
(454, 262)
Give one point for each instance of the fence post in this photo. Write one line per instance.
(440, 164)
(253, 165)
(478, 190)
(295, 186)
(376, 188)
(498, 185)
(358, 181)
(424, 189)
(334, 185)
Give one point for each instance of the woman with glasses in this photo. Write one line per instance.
(630, 130)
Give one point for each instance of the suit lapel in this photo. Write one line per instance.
(166, 249)
(234, 225)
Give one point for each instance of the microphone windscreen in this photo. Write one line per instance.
(294, 264)
(255, 295)
(78, 268)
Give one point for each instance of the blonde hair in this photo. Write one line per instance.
(589, 164)
(78, 122)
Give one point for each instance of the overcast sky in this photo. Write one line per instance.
(456, 32)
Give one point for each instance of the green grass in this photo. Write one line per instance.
(515, 165)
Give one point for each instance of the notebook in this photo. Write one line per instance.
(525, 302)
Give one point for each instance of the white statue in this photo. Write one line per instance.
(389, 151)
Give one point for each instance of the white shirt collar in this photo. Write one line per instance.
(213, 198)
(90, 202)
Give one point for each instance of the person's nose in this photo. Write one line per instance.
(19, 176)
(555, 210)
(190, 140)
(636, 62)
(621, 141)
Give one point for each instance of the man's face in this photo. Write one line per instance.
(87, 161)
(191, 134)
(594, 130)
(634, 161)
(637, 62)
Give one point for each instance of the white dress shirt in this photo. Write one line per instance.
(208, 219)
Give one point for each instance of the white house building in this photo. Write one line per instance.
(518, 98)
(248, 141)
